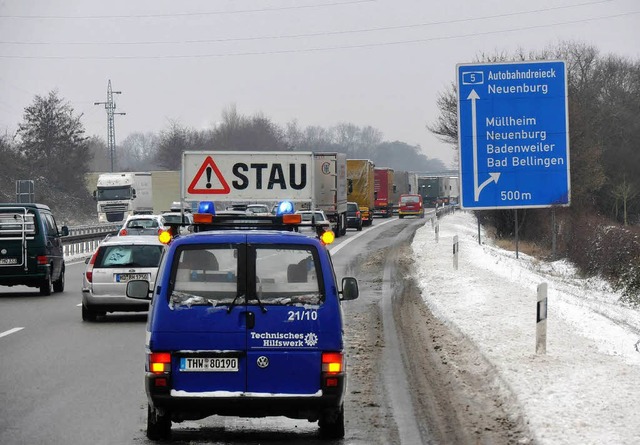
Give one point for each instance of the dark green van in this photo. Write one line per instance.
(31, 252)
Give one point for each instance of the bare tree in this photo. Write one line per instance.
(52, 138)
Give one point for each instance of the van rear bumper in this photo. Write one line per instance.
(193, 407)
(17, 276)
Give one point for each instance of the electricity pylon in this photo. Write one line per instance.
(110, 106)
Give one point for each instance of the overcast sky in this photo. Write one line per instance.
(321, 62)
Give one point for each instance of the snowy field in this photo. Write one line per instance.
(585, 388)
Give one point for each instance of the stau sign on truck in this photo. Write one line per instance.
(310, 180)
(119, 195)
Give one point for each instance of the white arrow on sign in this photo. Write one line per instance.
(473, 96)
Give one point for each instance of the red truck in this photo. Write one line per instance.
(383, 189)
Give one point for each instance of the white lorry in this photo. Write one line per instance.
(119, 195)
(310, 180)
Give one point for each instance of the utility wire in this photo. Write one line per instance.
(179, 14)
(318, 49)
(318, 34)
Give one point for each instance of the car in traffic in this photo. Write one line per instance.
(116, 261)
(31, 251)
(143, 225)
(410, 205)
(183, 221)
(245, 323)
(258, 209)
(314, 221)
(354, 216)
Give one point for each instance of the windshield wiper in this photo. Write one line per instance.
(262, 307)
(233, 303)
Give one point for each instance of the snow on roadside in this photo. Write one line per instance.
(584, 389)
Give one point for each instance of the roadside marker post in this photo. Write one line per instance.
(541, 320)
(455, 252)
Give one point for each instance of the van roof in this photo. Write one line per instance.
(29, 205)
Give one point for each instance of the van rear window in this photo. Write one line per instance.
(284, 275)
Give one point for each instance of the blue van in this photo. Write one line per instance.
(245, 323)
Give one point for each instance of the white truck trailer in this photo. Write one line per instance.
(310, 180)
(119, 195)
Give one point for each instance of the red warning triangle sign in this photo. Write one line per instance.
(208, 167)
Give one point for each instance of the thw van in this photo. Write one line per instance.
(245, 323)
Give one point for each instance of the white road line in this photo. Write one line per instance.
(10, 331)
(373, 227)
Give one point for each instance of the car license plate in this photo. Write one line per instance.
(8, 261)
(125, 277)
(209, 364)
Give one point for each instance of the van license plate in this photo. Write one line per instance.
(124, 277)
(209, 364)
(8, 261)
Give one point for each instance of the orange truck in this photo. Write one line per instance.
(384, 189)
(360, 187)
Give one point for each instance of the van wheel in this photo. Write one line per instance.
(158, 425)
(332, 424)
(58, 285)
(88, 314)
(46, 286)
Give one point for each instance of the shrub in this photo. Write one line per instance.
(600, 247)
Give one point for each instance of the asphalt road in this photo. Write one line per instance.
(65, 381)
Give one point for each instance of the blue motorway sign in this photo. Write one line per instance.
(513, 134)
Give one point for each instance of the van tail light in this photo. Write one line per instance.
(122, 232)
(160, 362)
(42, 259)
(89, 271)
(332, 371)
(332, 362)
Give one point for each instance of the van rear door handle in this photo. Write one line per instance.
(251, 320)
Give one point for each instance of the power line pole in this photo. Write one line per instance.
(110, 106)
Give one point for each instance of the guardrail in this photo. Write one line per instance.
(85, 239)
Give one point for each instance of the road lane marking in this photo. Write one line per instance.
(10, 331)
(344, 243)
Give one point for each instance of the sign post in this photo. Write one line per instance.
(513, 135)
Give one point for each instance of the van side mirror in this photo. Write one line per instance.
(138, 289)
(349, 288)
(64, 231)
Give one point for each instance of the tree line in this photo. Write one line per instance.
(237, 132)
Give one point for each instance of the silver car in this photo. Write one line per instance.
(143, 225)
(117, 260)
